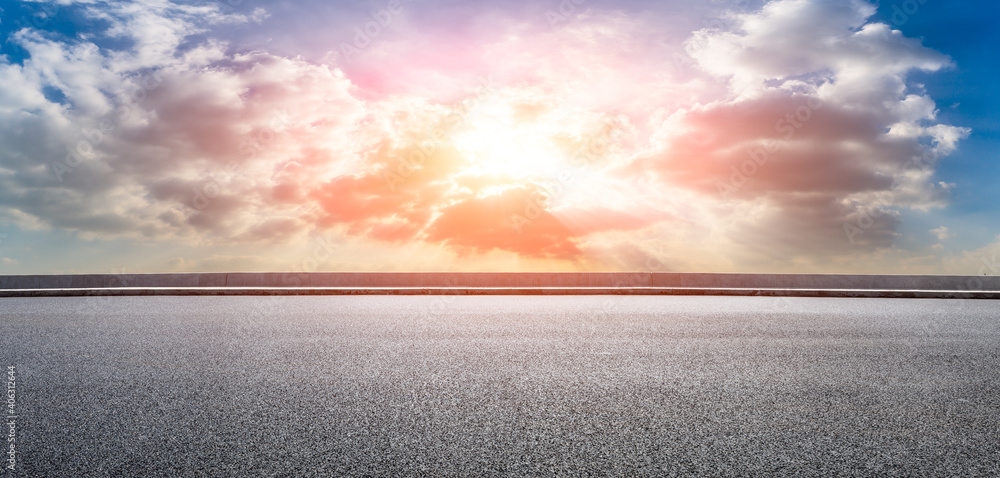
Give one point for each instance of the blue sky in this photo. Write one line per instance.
(967, 96)
(243, 136)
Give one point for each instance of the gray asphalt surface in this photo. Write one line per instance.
(512, 386)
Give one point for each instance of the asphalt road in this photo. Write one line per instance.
(511, 386)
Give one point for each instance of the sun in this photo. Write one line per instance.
(497, 141)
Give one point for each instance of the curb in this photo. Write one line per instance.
(551, 291)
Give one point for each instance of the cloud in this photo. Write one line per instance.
(795, 140)
(75, 163)
(942, 233)
(182, 141)
(813, 40)
(819, 142)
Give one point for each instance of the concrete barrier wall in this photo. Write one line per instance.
(827, 281)
(492, 279)
(89, 281)
(420, 279)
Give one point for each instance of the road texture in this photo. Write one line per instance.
(504, 386)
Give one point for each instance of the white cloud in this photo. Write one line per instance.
(126, 153)
(820, 142)
(978, 262)
(796, 148)
(942, 233)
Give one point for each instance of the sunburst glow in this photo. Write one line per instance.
(497, 142)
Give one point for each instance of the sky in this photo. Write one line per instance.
(804, 136)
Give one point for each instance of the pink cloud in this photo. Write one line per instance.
(790, 125)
